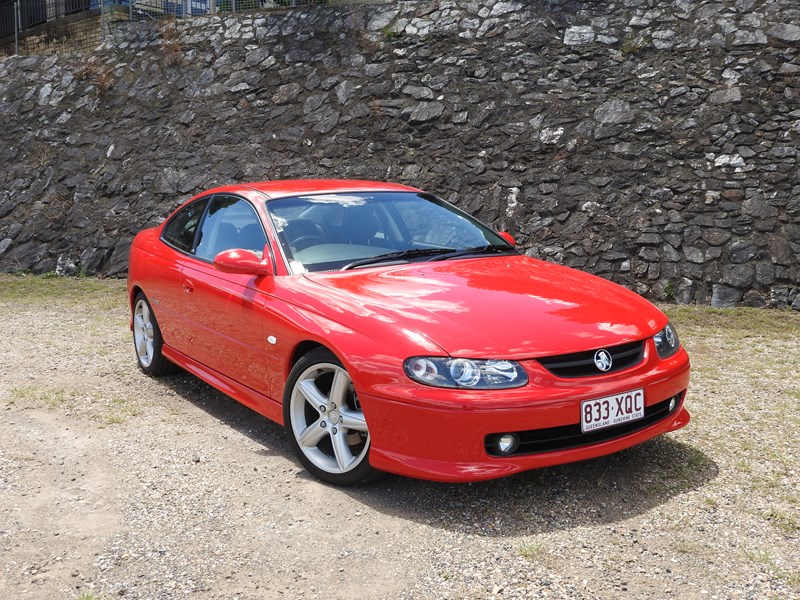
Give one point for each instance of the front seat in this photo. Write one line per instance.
(251, 237)
(361, 226)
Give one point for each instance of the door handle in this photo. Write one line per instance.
(188, 286)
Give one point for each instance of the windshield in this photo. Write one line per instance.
(325, 232)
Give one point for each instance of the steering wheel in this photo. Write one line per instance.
(306, 241)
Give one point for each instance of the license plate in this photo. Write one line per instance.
(612, 410)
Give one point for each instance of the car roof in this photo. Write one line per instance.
(294, 187)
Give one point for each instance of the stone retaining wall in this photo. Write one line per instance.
(652, 143)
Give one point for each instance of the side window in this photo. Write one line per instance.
(180, 230)
(230, 223)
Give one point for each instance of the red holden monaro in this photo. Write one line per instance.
(387, 330)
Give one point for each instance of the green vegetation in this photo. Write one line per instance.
(669, 292)
(632, 44)
(783, 521)
(51, 398)
(743, 321)
(91, 596)
(532, 550)
(120, 411)
(42, 288)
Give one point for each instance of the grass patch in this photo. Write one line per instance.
(101, 409)
(104, 293)
(533, 551)
(738, 322)
(786, 523)
(765, 560)
(50, 397)
(91, 596)
(120, 412)
(792, 579)
(690, 548)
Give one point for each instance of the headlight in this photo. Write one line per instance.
(667, 342)
(465, 373)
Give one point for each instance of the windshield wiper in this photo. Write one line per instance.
(475, 251)
(397, 256)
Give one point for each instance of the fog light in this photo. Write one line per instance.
(672, 402)
(507, 443)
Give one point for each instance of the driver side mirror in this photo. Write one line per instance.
(243, 262)
(508, 237)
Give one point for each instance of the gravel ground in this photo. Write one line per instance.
(114, 484)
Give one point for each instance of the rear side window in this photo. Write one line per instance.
(181, 229)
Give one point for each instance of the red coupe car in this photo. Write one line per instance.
(387, 330)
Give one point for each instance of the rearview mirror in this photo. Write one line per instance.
(244, 262)
(508, 237)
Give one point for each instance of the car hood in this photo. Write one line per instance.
(503, 306)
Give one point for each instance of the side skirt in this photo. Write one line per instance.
(252, 399)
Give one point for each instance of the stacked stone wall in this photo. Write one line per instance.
(652, 143)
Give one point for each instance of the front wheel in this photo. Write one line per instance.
(324, 420)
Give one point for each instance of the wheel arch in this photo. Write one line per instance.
(303, 348)
(134, 291)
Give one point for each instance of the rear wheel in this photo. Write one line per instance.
(324, 420)
(147, 340)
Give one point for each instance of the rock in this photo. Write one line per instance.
(749, 38)
(753, 299)
(723, 296)
(729, 160)
(345, 91)
(256, 56)
(783, 152)
(286, 93)
(382, 19)
(779, 296)
(786, 32)
(579, 35)
(425, 111)
(118, 263)
(313, 102)
(756, 207)
(418, 92)
(716, 237)
(551, 136)
(649, 239)
(694, 255)
(614, 111)
(6, 208)
(738, 276)
(328, 119)
(502, 8)
(726, 96)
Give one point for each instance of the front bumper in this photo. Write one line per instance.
(441, 434)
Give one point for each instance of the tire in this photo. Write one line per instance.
(147, 340)
(324, 421)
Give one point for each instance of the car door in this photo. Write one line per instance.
(223, 311)
(164, 272)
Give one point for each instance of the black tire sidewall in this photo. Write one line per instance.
(159, 365)
(364, 470)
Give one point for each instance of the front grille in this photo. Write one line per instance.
(565, 437)
(581, 364)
